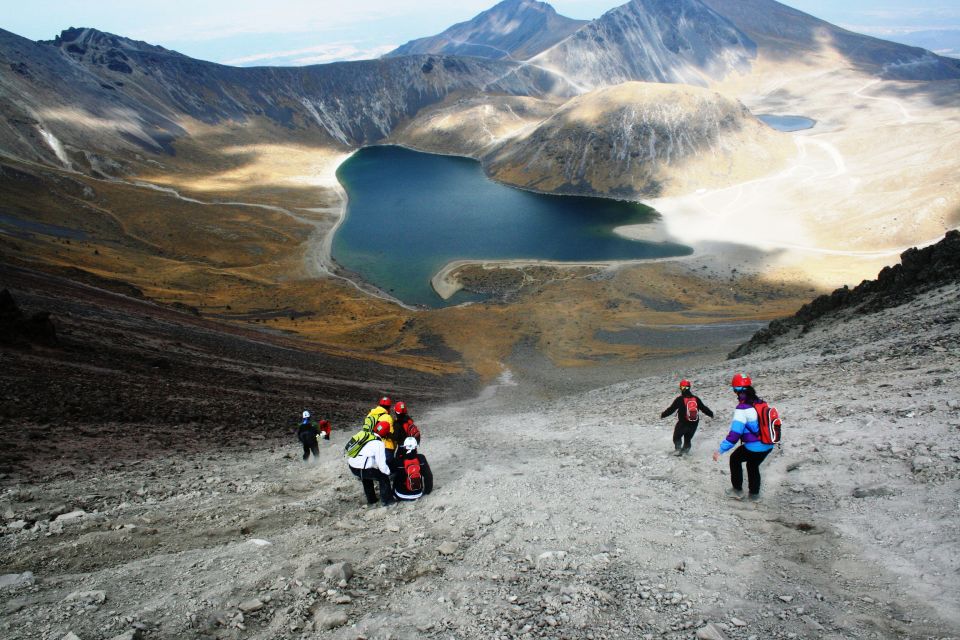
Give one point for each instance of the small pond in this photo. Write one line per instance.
(787, 123)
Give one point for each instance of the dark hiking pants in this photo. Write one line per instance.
(753, 460)
(683, 433)
(310, 446)
(367, 476)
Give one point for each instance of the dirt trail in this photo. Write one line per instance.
(563, 519)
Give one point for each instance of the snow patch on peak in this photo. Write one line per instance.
(56, 146)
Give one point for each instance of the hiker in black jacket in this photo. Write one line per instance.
(307, 435)
(412, 477)
(687, 407)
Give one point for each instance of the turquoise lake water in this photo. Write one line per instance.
(787, 123)
(410, 213)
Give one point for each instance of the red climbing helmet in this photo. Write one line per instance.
(385, 402)
(400, 407)
(684, 384)
(382, 429)
(740, 380)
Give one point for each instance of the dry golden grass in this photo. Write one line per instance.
(562, 316)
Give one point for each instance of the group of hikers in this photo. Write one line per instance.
(385, 451)
(756, 426)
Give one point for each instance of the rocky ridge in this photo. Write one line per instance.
(693, 42)
(92, 92)
(919, 270)
(782, 33)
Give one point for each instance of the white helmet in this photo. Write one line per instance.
(410, 444)
(306, 414)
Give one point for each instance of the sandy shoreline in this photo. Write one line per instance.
(446, 284)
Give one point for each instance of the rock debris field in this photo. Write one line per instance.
(550, 519)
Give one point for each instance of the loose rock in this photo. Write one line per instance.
(72, 516)
(339, 572)
(88, 597)
(331, 620)
(448, 548)
(250, 606)
(710, 632)
(16, 580)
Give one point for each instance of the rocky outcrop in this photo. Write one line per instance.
(680, 41)
(514, 29)
(20, 330)
(919, 270)
(640, 140)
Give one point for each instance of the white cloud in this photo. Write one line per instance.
(319, 54)
(225, 19)
(874, 30)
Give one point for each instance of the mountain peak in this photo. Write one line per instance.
(681, 41)
(88, 37)
(516, 29)
(102, 48)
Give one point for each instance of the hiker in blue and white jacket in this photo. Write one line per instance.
(745, 429)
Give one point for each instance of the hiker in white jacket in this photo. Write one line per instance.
(371, 464)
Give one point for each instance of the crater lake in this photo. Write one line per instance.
(410, 213)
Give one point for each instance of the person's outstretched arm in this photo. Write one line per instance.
(704, 407)
(672, 408)
(737, 427)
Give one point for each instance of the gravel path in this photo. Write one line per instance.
(550, 519)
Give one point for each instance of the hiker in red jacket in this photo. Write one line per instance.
(687, 407)
(323, 429)
(403, 425)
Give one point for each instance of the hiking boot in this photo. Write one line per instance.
(753, 497)
(678, 452)
(685, 451)
(734, 493)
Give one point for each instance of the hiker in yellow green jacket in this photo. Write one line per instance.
(381, 413)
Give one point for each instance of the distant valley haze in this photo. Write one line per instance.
(301, 32)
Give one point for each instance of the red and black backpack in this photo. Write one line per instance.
(693, 411)
(414, 481)
(770, 423)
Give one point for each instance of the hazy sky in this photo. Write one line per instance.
(244, 32)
